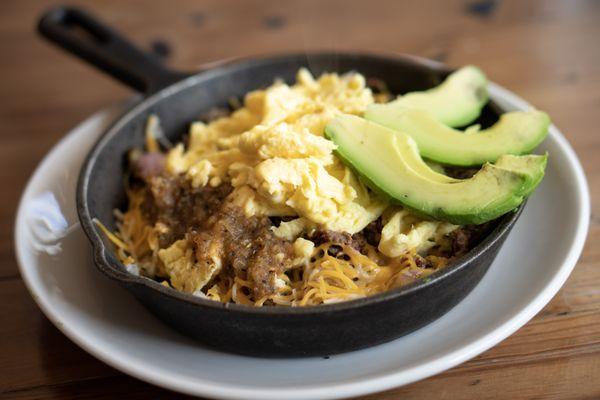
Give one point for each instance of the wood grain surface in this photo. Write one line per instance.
(546, 51)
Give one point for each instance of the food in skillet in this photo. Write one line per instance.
(315, 193)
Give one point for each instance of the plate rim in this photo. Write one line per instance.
(380, 382)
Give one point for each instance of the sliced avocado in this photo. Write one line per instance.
(528, 166)
(455, 102)
(410, 152)
(516, 132)
(390, 164)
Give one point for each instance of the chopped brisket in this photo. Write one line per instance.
(246, 244)
(148, 165)
(356, 241)
(460, 241)
(173, 202)
(272, 257)
(422, 262)
(372, 232)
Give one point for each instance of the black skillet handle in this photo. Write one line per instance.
(84, 36)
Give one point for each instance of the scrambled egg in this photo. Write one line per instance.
(275, 156)
(178, 261)
(404, 231)
(273, 153)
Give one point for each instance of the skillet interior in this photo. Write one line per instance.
(273, 331)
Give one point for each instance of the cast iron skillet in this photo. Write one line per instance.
(179, 99)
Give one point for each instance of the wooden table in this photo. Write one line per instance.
(546, 51)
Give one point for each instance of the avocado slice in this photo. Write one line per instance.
(517, 132)
(530, 166)
(455, 102)
(410, 152)
(390, 164)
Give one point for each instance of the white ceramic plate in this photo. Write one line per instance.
(107, 322)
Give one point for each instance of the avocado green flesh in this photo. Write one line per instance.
(516, 133)
(409, 150)
(532, 167)
(386, 161)
(455, 102)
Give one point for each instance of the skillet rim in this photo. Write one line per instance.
(117, 271)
